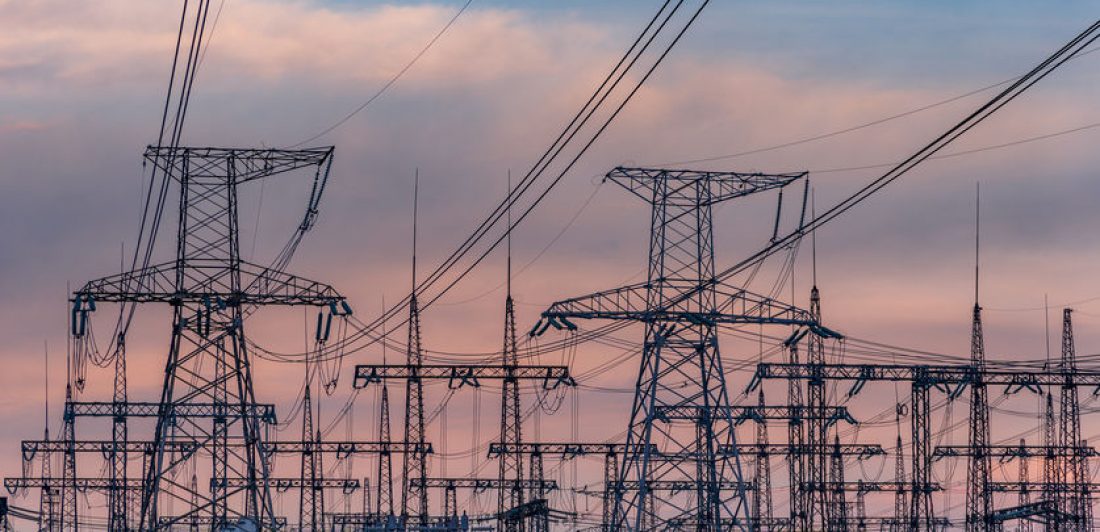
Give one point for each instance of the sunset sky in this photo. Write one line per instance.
(82, 85)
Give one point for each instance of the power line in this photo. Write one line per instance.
(382, 90)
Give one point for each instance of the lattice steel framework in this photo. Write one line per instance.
(681, 346)
(211, 291)
(979, 503)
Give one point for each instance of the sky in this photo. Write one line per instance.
(81, 88)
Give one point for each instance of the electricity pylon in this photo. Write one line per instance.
(681, 366)
(211, 292)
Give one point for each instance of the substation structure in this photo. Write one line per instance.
(201, 457)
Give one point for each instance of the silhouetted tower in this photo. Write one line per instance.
(117, 494)
(1052, 474)
(819, 456)
(540, 522)
(920, 508)
(414, 495)
(68, 468)
(838, 500)
(311, 506)
(762, 500)
(211, 291)
(796, 458)
(1074, 469)
(682, 308)
(901, 512)
(511, 464)
(385, 459)
(48, 500)
(979, 503)
(1025, 483)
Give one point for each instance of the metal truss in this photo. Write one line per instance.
(680, 347)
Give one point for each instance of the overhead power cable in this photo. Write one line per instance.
(597, 101)
(386, 86)
(857, 127)
(1025, 82)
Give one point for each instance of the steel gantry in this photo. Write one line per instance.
(681, 346)
(951, 379)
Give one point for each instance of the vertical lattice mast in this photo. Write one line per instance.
(681, 369)
(414, 495)
(511, 464)
(762, 500)
(117, 493)
(385, 459)
(1075, 467)
(838, 500)
(1025, 482)
(979, 502)
(796, 461)
(901, 513)
(820, 506)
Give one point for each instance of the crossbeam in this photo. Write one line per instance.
(484, 484)
(458, 376)
(263, 412)
(1009, 452)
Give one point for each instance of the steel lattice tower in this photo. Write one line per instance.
(414, 496)
(385, 459)
(1075, 468)
(680, 365)
(901, 514)
(796, 460)
(1024, 477)
(762, 500)
(1052, 476)
(511, 464)
(311, 507)
(118, 495)
(978, 498)
(819, 505)
(68, 468)
(211, 291)
(838, 519)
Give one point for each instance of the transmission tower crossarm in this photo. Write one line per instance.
(346, 448)
(458, 376)
(244, 164)
(942, 376)
(1014, 451)
(759, 414)
(732, 306)
(260, 411)
(563, 449)
(484, 484)
(720, 186)
(259, 285)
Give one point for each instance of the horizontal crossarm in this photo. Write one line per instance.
(483, 484)
(864, 487)
(458, 376)
(345, 448)
(733, 306)
(244, 164)
(721, 185)
(1014, 451)
(261, 286)
(265, 412)
(564, 449)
